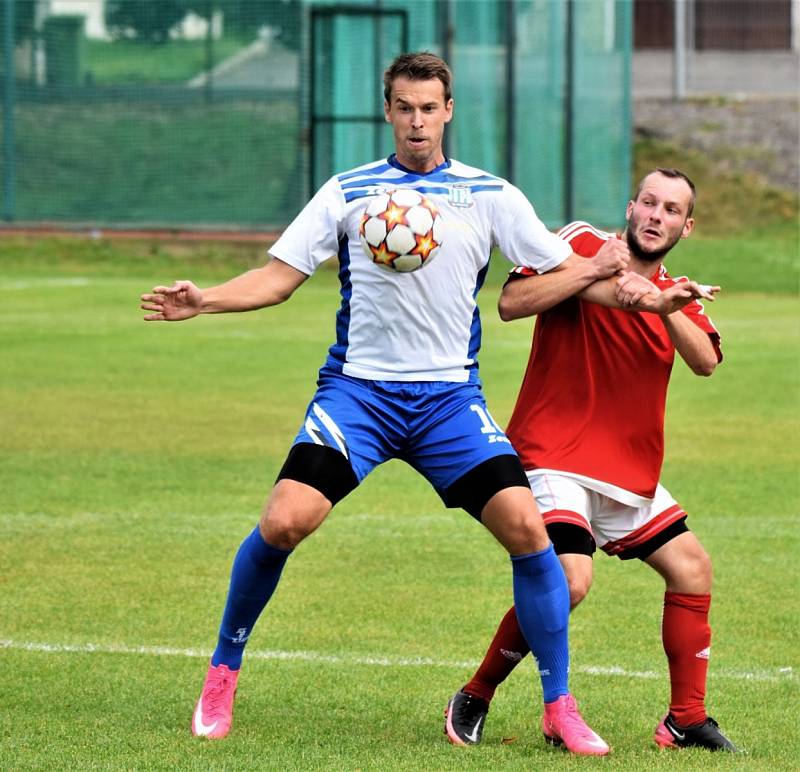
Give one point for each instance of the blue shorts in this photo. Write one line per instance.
(442, 429)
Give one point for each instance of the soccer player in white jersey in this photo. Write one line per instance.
(589, 428)
(400, 381)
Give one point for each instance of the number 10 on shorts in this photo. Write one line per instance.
(489, 426)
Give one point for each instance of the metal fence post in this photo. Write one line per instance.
(9, 159)
(679, 53)
(569, 113)
(511, 90)
(209, 53)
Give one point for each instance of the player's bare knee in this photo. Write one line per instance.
(579, 587)
(523, 533)
(699, 572)
(284, 529)
(292, 512)
(695, 572)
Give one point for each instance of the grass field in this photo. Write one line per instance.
(134, 458)
(130, 61)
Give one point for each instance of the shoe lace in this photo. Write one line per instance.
(216, 695)
(572, 716)
(469, 709)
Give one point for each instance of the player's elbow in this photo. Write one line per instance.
(704, 367)
(510, 308)
(505, 310)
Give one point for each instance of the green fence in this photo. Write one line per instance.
(228, 113)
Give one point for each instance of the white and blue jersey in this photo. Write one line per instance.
(423, 325)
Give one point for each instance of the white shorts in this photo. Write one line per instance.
(616, 527)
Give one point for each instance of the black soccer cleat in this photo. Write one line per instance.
(706, 735)
(464, 718)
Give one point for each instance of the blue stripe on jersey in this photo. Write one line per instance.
(353, 195)
(475, 330)
(408, 179)
(378, 168)
(337, 353)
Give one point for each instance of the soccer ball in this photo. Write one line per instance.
(401, 230)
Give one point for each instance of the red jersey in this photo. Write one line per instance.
(595, 388)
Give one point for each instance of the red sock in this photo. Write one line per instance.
(687, 641)
(505, 652)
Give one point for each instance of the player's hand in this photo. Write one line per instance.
(681, 294)
(182, 300)
(632, 288)
(701, 291)
(611, 258)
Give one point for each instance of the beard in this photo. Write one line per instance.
(651, 256)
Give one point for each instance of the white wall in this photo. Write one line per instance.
(93, 10)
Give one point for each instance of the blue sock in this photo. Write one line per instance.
(256, 570)
(541, 598)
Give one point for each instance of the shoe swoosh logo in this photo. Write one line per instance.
(474, 736)
(675, 733)
(199, 726)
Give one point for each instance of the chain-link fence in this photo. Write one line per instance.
(227, 113)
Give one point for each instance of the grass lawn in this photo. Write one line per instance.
(133, 62)
(135, 457)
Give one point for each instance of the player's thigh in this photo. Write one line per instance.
(460, 449)
(512, 518)
(563, 501)
(637, 531)
(345, 418)
(567, 509)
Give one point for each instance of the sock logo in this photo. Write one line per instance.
(241, 636)
(514, 656)
(704, 654)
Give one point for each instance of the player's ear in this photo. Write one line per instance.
(386, 111)
(449, 110)
(629, 209)
(688, 227)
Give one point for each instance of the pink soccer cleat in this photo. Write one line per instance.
(563, 724)
(214, 712)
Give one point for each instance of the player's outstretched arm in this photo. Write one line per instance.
(526, 297)
(269, 285)
(631, 291)
(639, 294)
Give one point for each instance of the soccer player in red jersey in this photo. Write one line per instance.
(589, 427)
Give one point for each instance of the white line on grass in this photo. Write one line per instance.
(777, 674)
